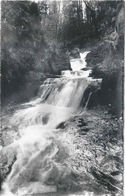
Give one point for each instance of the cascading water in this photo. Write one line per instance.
(41, 154)
(77, 65)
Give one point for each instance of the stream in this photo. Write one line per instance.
(41, 166)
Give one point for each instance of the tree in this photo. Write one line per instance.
(22, 37)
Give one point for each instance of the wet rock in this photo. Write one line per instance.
(45, 119)
(81, 119)
(81, 122)
(61, 126)
(114, 173)
(117, 175)
(84, 130)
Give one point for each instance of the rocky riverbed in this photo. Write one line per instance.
(95, 152)
(97, 141)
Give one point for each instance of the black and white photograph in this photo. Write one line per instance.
(62, 98)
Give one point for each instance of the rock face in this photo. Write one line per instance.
(91, 96)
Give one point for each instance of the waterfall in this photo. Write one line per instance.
(80, 63)
(40, 165)
(77, 65)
